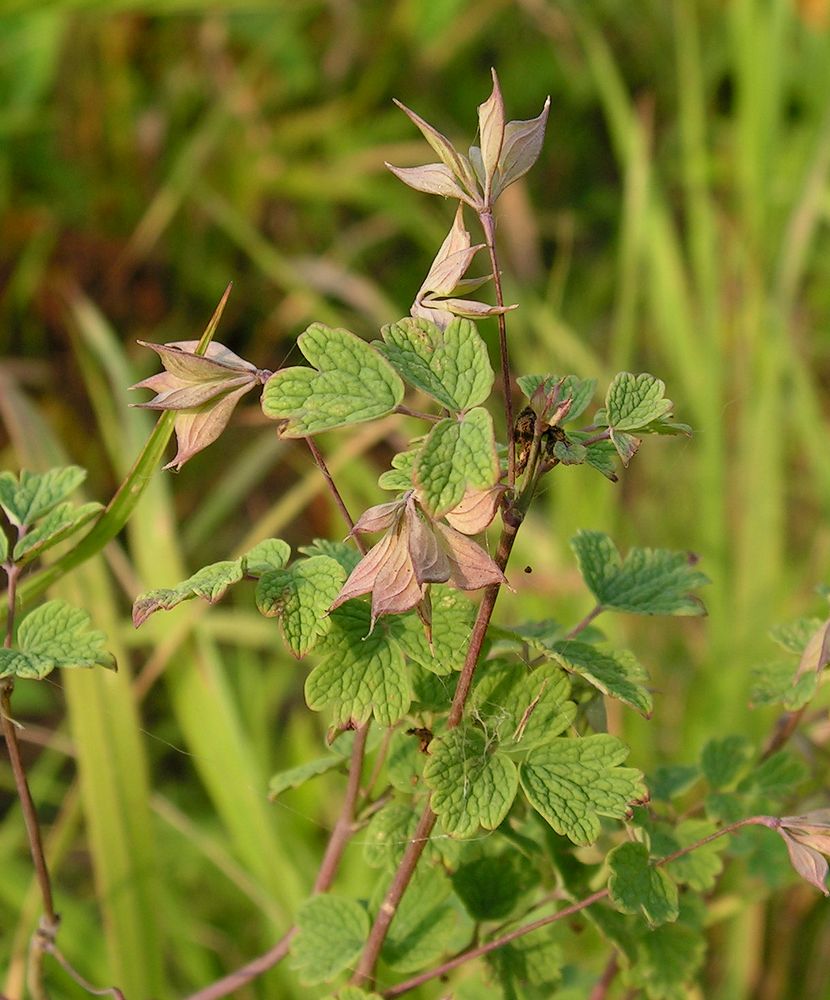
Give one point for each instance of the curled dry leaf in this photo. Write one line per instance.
(415, 552)
(476, 510)
(437, 297)
(808, 841)
(202, 389)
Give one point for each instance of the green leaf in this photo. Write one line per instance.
(452, 623)
(634, 401)
(648, 582)
(668, 959)
(300, 596)
(354, 993)
(569, 452)
(670, 780)
(331, 935)
(779, 775)
(722, 761)
(426, 924)
(29, 497)
(451, 365)
(399, 477)
(471, 786)
(210, 582)
(432, 692)
(490, 887)
(635, 886)
(352, 383)
(61, 522)
(572, 782)
(293, 777)
(616, 673)
(4, 545)
(523, 709)
(775, 683)
(387, 835)
(362, 674)
(267, 555)
(700, 868)
(528, 967)
(405, 760)
(455, 455)
(601, 456)
(581, 390)
(795, 635)
(342, 552)
(390, 831)
(625, 444)
(54, 635)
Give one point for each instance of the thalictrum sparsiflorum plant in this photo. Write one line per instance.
(499, 807)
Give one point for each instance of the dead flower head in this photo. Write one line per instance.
(417, 551)
(203, 389)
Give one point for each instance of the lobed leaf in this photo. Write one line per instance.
(471, 785)
(28, 497)
(530, 966)
(331, 935)
(452, 622)
(300, 596)
(294, 777)
(210, 583)
(60, 522)
(617, 673)
(426, 924)
(647, 582)
(636, 886)
(451, 365)
(455, 455)
(524, 709)
(700, 868)
(349, 383)
(54, 635)
(362, 674)
(634, 401)
(668, 958)
(572, 782)
(775, 683)
(399, 477)
(490, 887)
(722, 761)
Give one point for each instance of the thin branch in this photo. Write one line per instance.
(364, 972)
(9, 730)
(500, 942)
(105, 991)
(338, 840)
(488, 225)
(335, 493)
(223, 987)
(586, 621)
(552, 918)
(407, 412)
(609, 974)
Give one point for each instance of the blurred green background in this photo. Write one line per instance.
(677, 222)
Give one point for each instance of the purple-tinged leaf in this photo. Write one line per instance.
(807, 862)
(491, 124)
(432, 178)
(447, 153)
(521, 148)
